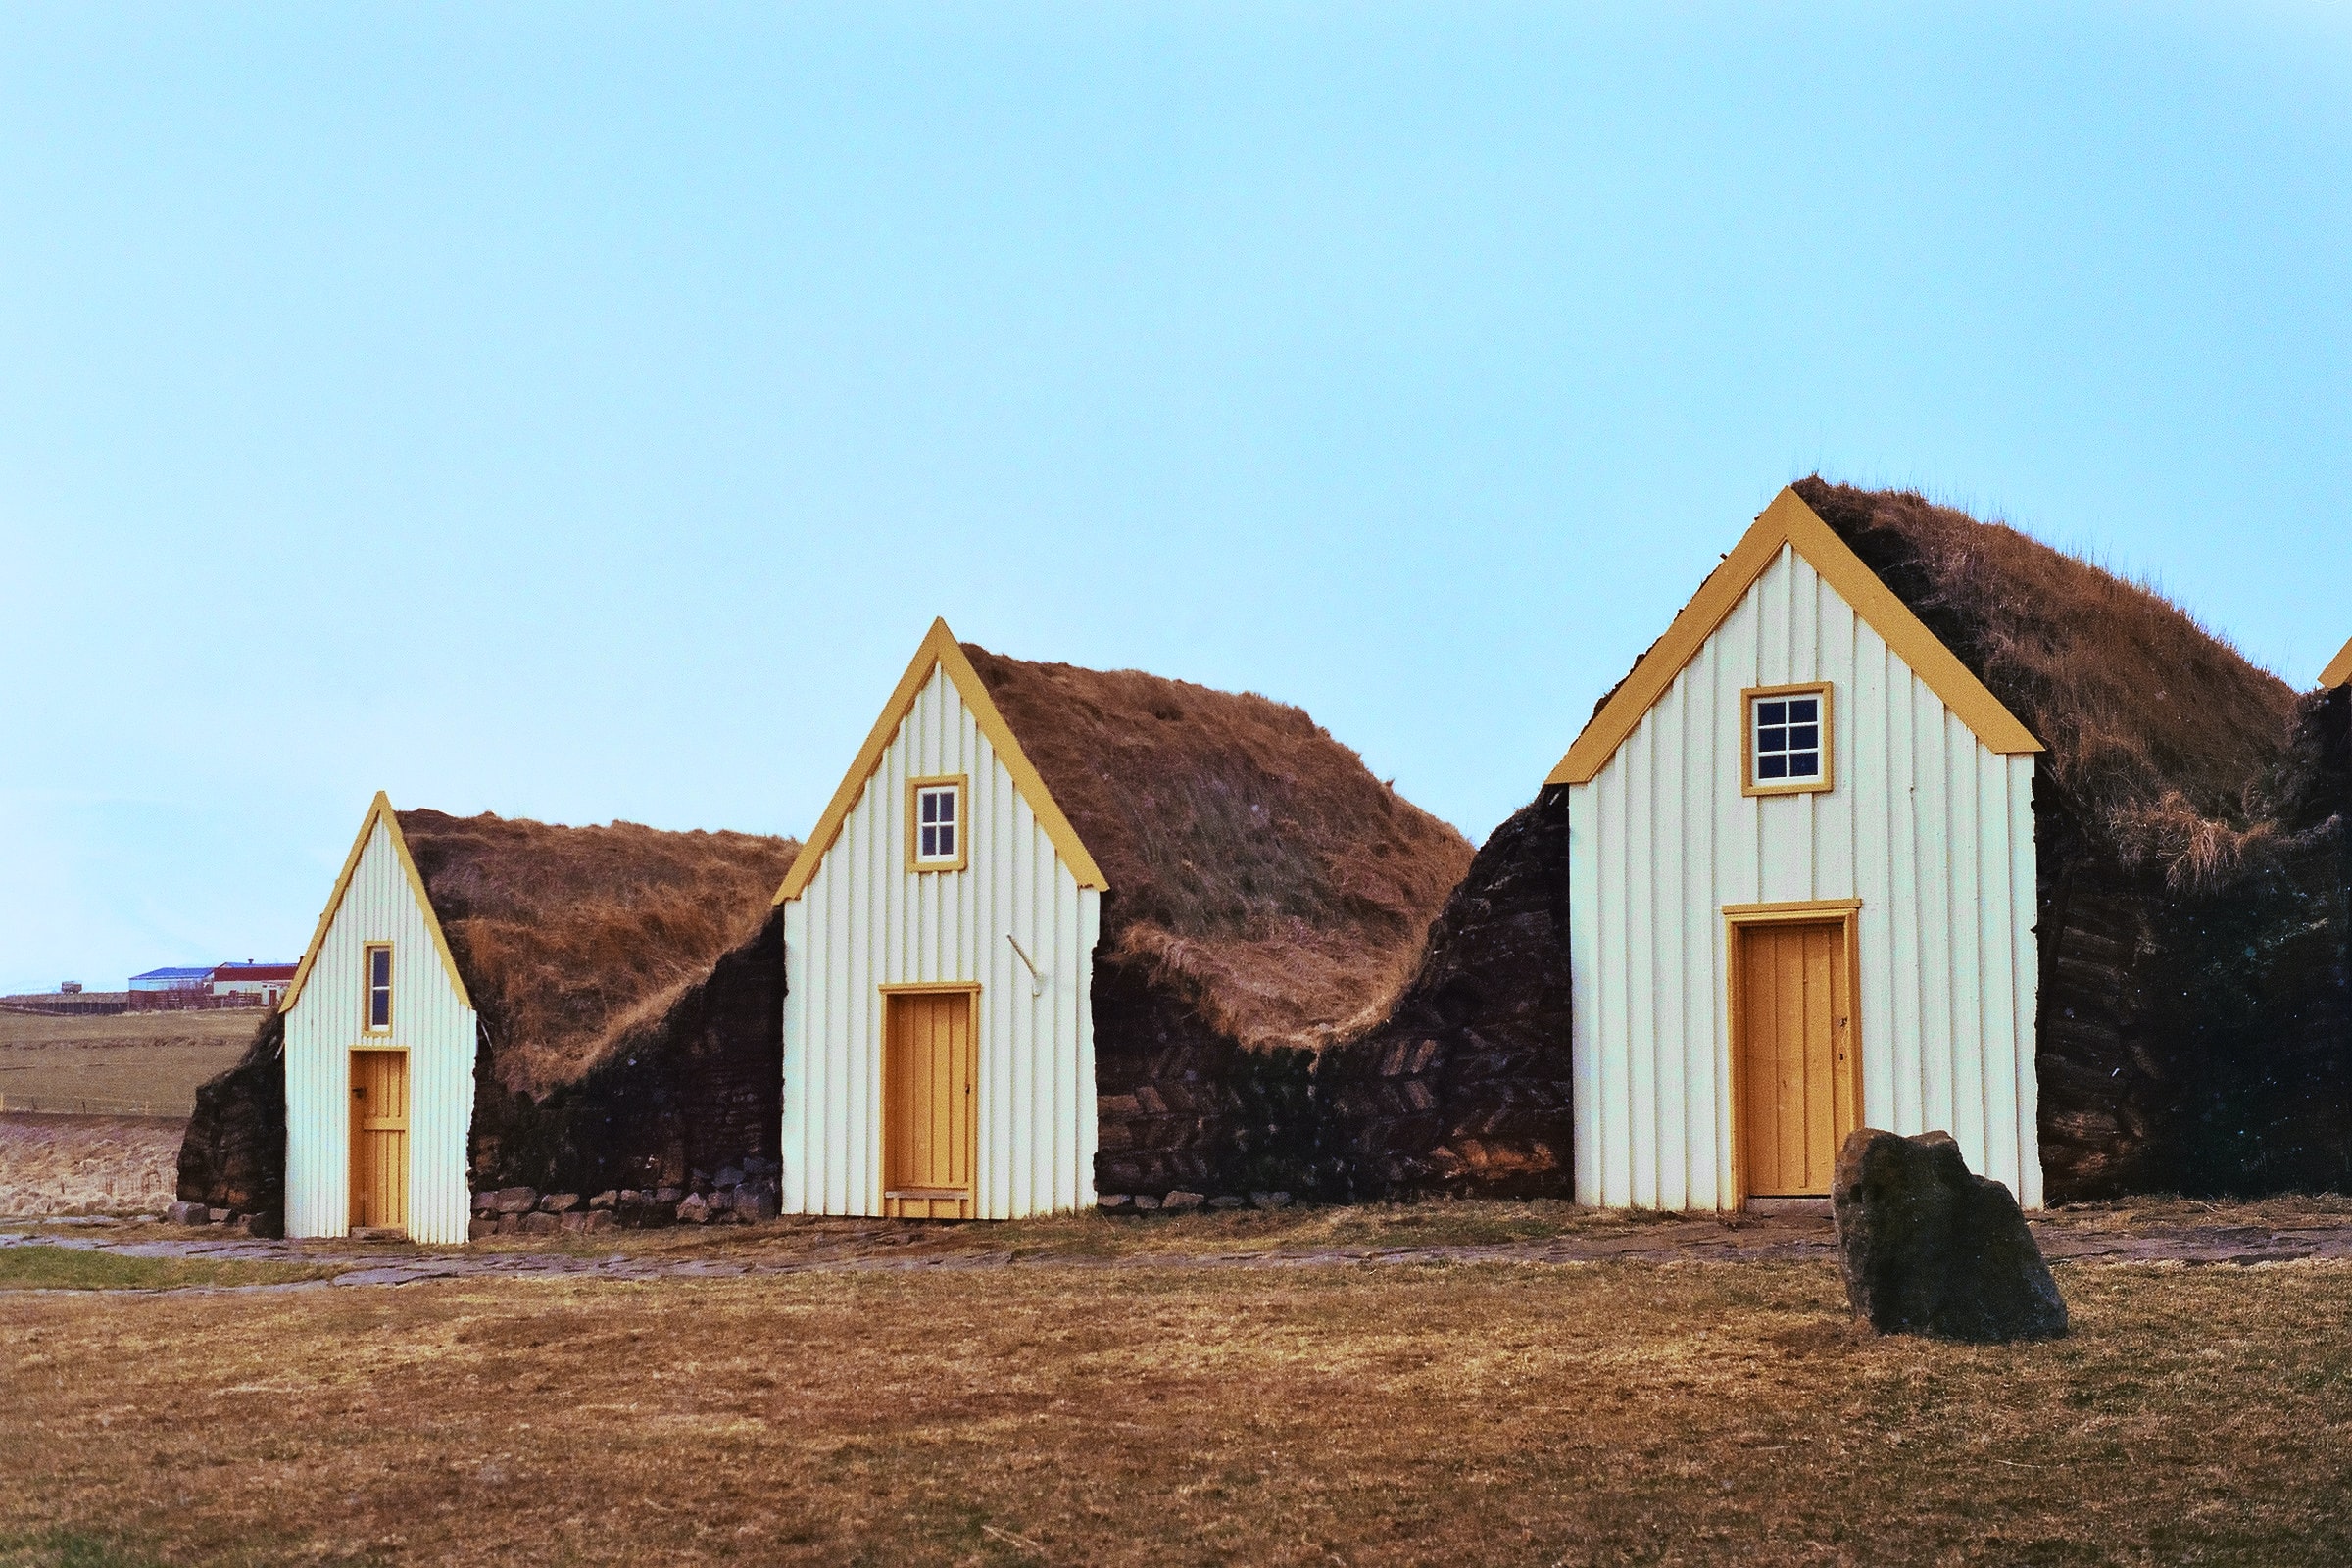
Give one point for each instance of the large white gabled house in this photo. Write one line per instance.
(1802, 891)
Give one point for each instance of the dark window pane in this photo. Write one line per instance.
(946, 805)
(929, 804)
(1773, 766)
(930, 843)
(1772, 740)
(1771, 713)
(1804, 710)
(1804, 738)
(379, 1007)
(380, 966)
(947, 843)
(1805, 764)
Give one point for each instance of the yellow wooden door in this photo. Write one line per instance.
(1796, 1077)
(927, 1106)
(379, 1139)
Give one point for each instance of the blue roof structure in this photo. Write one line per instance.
(158, 979)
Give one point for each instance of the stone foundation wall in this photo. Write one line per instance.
(1181, 1107)
(233, 1154)
(1466, 1087)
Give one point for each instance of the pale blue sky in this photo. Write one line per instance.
(581, 412)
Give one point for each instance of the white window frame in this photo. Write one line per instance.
(369, 988)
(1752, 701)
(955, 788)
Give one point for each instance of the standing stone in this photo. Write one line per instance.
(1929, 1248)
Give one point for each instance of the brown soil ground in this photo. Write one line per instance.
(1536, 1413)
(87, 1164)
(133, 1062)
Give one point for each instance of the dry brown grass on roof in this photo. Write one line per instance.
(566, 936)
(1252, 859)
(2151, 720)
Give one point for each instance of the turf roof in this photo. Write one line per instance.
(568, 935)
(1254, 862)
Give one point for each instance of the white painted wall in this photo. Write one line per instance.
(865, 921)
(325, 1027)
(1928, 828)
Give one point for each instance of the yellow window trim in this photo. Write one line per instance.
(1789, 521)
(2339, 673)
(368, 1023)
(940, 650)
(963, 838)
(1828, 779)
(381, 810)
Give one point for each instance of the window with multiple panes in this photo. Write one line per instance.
(938, 824)
(379, 986)
(1789, 739)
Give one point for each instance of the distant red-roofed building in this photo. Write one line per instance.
(268, 981)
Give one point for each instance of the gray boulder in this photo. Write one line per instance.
(1181, 1202)
(560, 1203)
(1929, 1248)
(515, 1199)
(187, 1215)
(691, 1211)
(541, 1224)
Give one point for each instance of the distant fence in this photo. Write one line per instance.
(192, 1001)
(107, 1003)
(102, 1004)
(13, 1105)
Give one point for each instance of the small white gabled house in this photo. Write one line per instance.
(938, 939)
(1801, 888)
(379, 1056)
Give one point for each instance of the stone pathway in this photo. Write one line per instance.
(906, 1248)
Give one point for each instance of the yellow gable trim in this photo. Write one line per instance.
(2339, 672)
(1789, 521)
(940, 650)
(379, 811)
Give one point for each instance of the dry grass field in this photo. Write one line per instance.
(126, 1063)
(1610, 1412)
(87, 1164)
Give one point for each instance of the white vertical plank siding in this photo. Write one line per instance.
(428, 1020)
(1928, 828)
(865, 921)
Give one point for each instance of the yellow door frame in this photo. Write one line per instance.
(351, 1151)
(1845, 1061)
(905, 1203)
